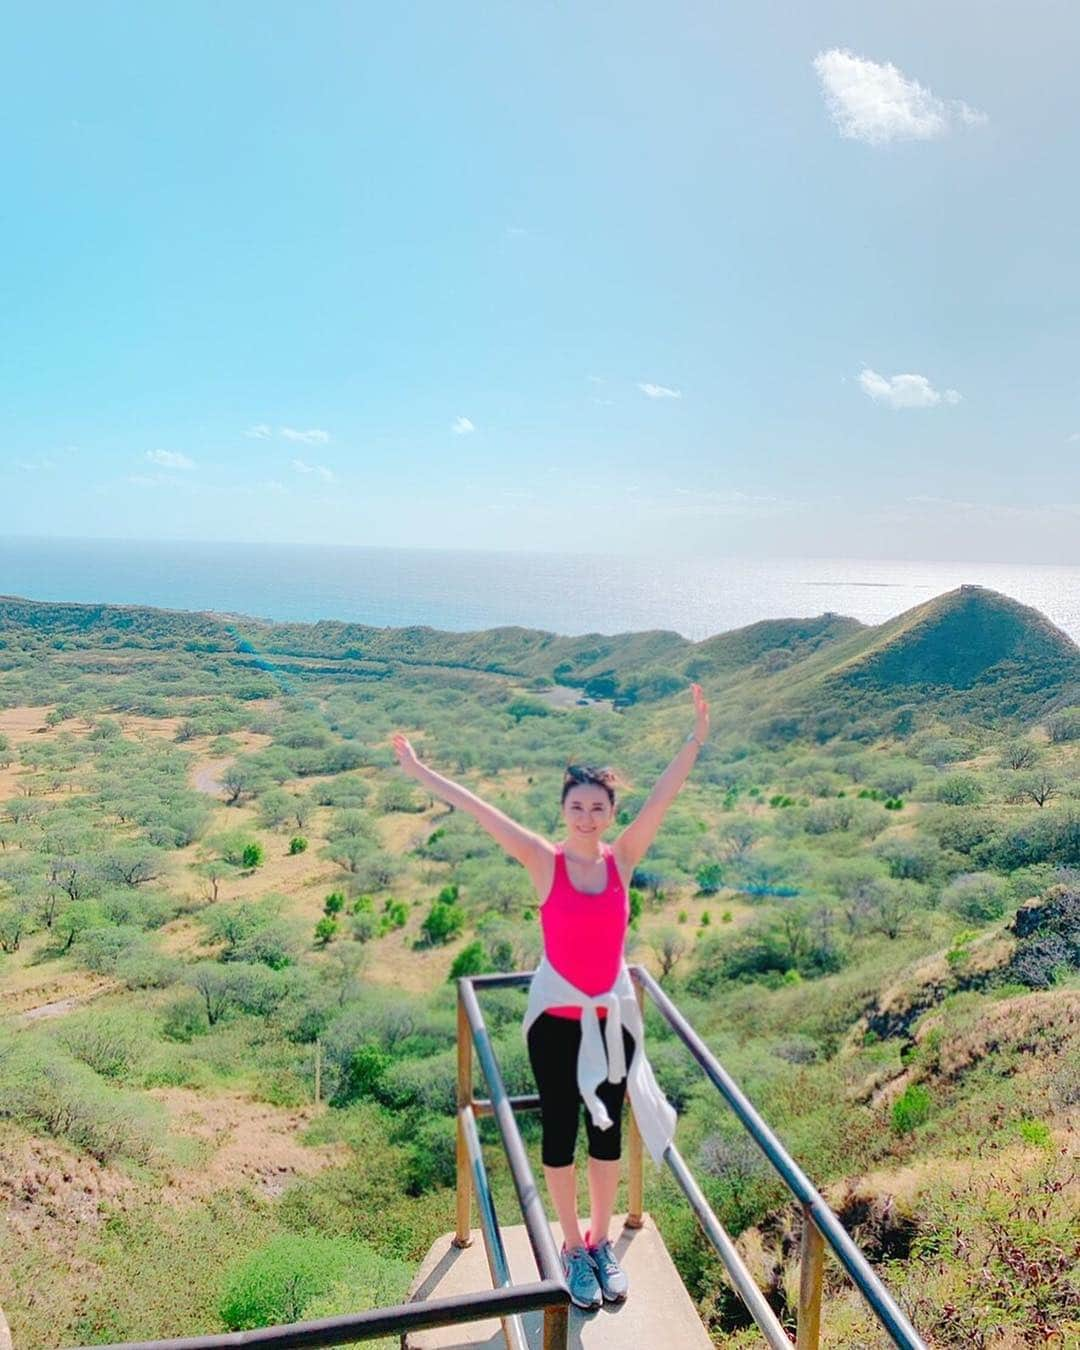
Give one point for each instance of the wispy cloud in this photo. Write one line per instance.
(988, 513)
(170, 459)
(314, 436)
(259, 432)
(302, 466)
(876, 103)
(461, 426)
(729, 502)
(35, 465)
(659, 391)
(904, 391)
(1073, 438)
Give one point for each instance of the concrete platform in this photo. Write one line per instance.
(657, 1315)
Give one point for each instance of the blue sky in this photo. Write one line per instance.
(769, 279)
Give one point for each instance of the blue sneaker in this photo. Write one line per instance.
(611, 1277)
(580, 1275)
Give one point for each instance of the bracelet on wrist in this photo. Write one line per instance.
(693, 738)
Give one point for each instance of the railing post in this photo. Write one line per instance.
(556, 1328)
(636, 1195)
(810, 1270)
(463, 1236)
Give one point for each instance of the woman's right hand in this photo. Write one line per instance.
(406, 755)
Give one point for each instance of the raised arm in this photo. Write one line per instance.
(635, 841)
(523, 844)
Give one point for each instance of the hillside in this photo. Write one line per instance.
(215, 886)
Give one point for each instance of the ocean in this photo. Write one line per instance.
(466, 590)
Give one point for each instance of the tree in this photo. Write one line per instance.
(5, 751)
(670, 947)
(131, 867)
(345, 964)
(888, 905)
(1019, 754)
(212, 873)
(15, 922)
(238, 780)
(1064, 725)
(1039, 787)
(212, 983)
(75, 919)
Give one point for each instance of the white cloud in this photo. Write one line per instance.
(301, 466)
(259, 432)
(1073, 438)
(313, 437)
(34, 465)
(877, 103)
(461, 426)
(170, 459)
(659, 391)
(904, 391)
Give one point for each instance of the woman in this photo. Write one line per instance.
(582, 884)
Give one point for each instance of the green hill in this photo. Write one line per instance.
(969, 653)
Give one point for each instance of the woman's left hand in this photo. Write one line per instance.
(701, 721)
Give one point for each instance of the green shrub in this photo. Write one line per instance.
(252, 856)
(1035, 1132)
(911, 1108)
(959, 789)
(710, 878)
(297, 844)
(444, 921)
(979, 897)
(295, 1272)
(363, 1074)
(637, 903)
(184, 1017)
(325, 930)
(471, 960)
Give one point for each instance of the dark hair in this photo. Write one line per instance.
(577, 774)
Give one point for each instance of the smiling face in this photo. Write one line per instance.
(587, 811)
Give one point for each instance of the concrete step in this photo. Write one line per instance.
(657, 1315)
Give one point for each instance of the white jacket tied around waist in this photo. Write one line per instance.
(653, 1112)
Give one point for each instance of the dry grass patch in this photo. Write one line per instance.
(239, 1141)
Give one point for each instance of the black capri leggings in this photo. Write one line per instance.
(553, 1053)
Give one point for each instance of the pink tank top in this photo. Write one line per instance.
(584, 932)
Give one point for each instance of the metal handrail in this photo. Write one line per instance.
(549, 1292)
(815, 1210)
(820, 1224)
